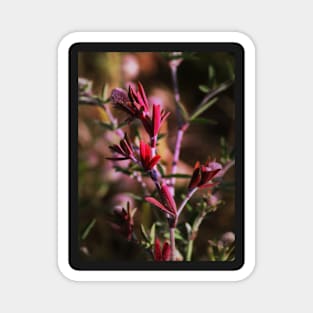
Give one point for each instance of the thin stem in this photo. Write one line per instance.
(175, 82)
(172, 243)
(189, 250)
(138, 178)
(227, 167)
(113, 120)
(188, 196)
(179, 139)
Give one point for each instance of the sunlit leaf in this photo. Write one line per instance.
(152, 234)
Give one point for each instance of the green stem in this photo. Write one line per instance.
(189, 250)
(172, 242)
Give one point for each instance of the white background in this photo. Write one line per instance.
(30, 32)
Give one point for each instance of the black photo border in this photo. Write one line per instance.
(75, 261)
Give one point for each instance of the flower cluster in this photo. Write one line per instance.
(163, 254)
(147, 160)
(136, 105)
(124, 149)
(203, 174)
(125, 226)
(169, 205)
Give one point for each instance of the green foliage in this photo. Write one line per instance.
(88, 228)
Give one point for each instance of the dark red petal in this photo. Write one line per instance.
(154, 161)
(158, 204)
(166, 252)
(147, 124)
(169, 198)
(117, 159)
(117, 149)
(143, 153)
(142, 97)
(195, 179)
(124, 143)
(207, 174)
(156, 119)
(157, 250)
(164, 116)
(132, 94)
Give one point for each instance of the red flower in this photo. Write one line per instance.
(203, 174)
(125, 224)
(147, 161)
(137, 106)
(169, 205)
(139, 97)
(124, 149)
(164, 254)
(158, 117)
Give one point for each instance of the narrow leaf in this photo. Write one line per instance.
(203, 108)
(143, 233)
(88, 229)
(201, 120)
(204, 88)
(178, 175)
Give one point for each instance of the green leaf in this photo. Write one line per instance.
(144, 233)
(211, 73)
(201, 121)
(204, 88)
(105, 125)
(161, 170)
(178, 175)
(152, 234)
(178, 235)
(203, 108)
(160, 136)
(121, 125)
(183, 111)
(189, 229)
(88, 229)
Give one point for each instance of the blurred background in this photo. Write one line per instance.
(103, 191)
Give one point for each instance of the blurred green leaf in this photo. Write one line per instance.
(178, 175)
(161, 135)
(204, 88)
(178, 235)
(203, 108)
(183, 111)
(88, 229)
(202, 120)
(152, 234)
(211, 73)
(144, 233)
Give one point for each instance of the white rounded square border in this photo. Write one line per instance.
(63, 133)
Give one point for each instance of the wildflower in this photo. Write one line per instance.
(147, 161)
(124, 149)
(164, 254)
(125, 224)
(128, 218)
(158, 117)
(203, 174)
(137, 106)
(169, 205)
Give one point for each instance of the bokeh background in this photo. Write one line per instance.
(103, 191)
